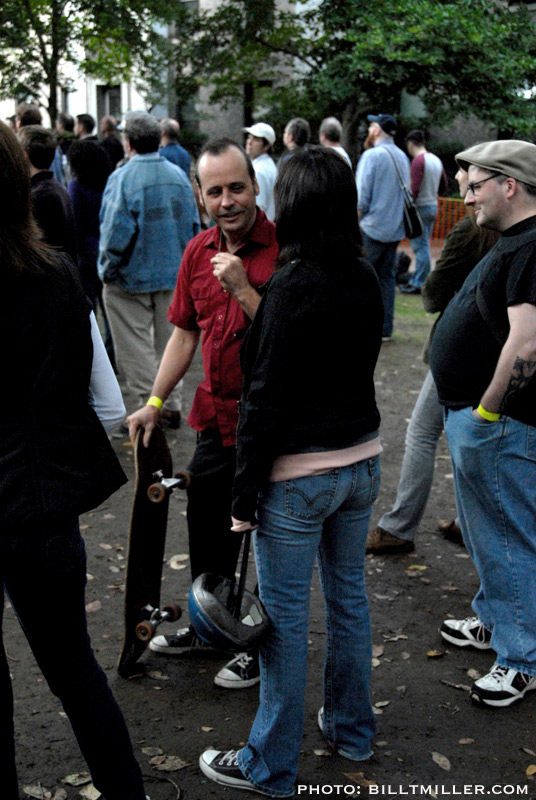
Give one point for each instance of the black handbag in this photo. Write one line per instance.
(412, 219)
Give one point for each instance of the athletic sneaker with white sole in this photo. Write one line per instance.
(240, 673)
(183, 643)
(468, 632)
(502, 686)
(222, 767)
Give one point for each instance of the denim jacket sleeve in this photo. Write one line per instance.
(117, 229)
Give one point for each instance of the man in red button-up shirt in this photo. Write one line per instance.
(215, 298)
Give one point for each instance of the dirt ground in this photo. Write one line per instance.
(431, 741)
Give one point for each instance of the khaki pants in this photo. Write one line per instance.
(140, 332)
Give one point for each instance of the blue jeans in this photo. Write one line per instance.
(47, 565)
(495, 479)
(324, 516)
(424, 429)
(382, 256)
(421, 246)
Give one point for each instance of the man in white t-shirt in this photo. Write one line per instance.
(261, 137)
(330, 134)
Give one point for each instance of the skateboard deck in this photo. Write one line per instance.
(147, 539)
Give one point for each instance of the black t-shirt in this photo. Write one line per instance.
(474, 327)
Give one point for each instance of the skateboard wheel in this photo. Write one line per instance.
(172, 612)
(185, 478)
(156, 492)
(145, 631)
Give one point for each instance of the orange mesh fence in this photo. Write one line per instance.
(450, 211)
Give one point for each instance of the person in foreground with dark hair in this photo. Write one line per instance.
(216, 296)
(308, 471)
(55, 463)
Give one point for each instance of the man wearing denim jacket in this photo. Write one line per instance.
(148, 215)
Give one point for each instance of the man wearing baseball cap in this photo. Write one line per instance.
(380, 206)
(261, 137)
(483, 360)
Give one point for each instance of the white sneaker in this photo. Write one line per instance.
(502, 686)
(468, 632)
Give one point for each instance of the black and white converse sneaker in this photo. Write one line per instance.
(183, 643)
(468, 632)
(502, 686)
(222, 767)
(240, 673)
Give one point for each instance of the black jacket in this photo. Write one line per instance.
(308, 361)
(55, 457)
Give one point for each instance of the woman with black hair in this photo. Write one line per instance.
(308, 471)
(55, 463)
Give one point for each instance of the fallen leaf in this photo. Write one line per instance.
(108, 516)
(323, 753)
(377, 650)
(60, 794)
(530, 752)
(474, 674)
(152, 751)
(171, 764)
(157, 676)
(38, 792)
(531, 770)
(449, 587)
(375, 662)
(382, 703)
(441, 761)
(77, 779)
(419, 567)
(206, 728)
(90, 792)
(175, 561)
(405, 655)
(461, 686)
(395, 638)
(435, 653)
(377, 711)
(105, 546)
(465, 741)
(84, 527)
(96, 605)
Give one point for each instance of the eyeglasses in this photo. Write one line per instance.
(475, 187)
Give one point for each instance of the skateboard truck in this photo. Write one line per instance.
(145, 630)
(164, 486)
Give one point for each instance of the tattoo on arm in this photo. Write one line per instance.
(522, 372)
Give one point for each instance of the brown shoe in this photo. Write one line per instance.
(382, 542)
(171, 419)
(451, 531)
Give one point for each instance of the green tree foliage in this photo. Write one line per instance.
(351, 57)
(42, 40)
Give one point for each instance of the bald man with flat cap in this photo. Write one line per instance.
(483, 360)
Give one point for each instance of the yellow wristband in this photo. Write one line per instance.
(491, 416)
(155, 401)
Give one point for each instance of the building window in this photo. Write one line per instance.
(108, 101)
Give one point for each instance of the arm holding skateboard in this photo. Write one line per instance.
(175, 363)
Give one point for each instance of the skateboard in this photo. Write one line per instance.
(147, 538)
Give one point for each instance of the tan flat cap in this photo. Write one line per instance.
(510, 157)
